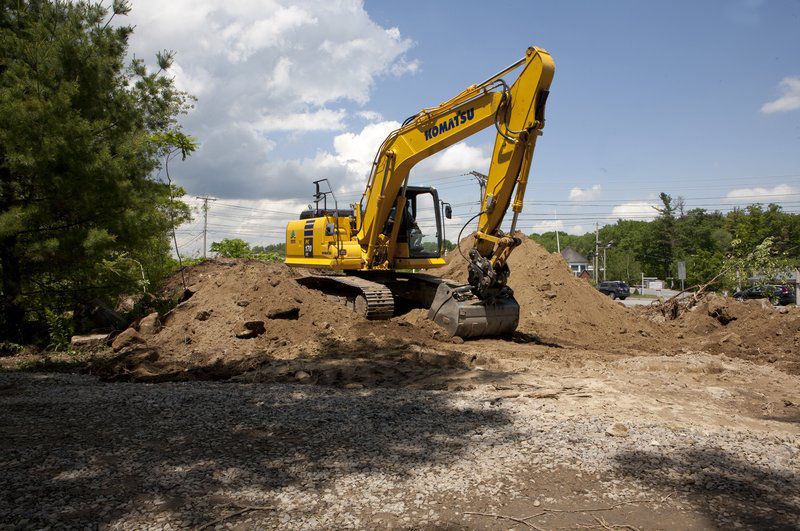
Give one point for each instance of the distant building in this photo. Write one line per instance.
(576, 261)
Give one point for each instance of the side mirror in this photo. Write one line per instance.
(448, 211)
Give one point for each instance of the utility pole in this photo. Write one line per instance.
(596, 250)
(558, 242)
(481, 178)
(205, 200)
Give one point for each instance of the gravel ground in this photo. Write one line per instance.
(77, 452)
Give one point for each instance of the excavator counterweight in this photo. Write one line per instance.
(397, 227)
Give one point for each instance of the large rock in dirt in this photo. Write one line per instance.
(96, 314)
(91, 341)
(285, 312)
(150, 325)
(128, 338)
(251, 329)
(127, 304)
(718, 309)
(617, 430)
(203, 315)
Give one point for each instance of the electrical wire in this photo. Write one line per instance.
(461, 251)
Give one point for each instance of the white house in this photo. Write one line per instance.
(577, 262)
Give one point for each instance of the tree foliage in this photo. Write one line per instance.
(708, 241)
(238, 248)
(81, 137)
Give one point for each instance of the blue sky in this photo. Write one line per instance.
(697, 99)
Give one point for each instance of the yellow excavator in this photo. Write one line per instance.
(397, 228)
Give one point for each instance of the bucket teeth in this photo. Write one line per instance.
(472, 317)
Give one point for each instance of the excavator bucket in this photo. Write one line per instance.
(466, 316)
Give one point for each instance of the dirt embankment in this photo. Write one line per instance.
(254, 320)
(560, 308)
(753, 330)
(247, 315)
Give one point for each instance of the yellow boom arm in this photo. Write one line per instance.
(517, 111)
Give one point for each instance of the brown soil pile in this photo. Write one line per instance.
(254, 321)
(752, 329)
(246, 315)
(558, 307)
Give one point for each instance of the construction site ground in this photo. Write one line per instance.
(255, 403)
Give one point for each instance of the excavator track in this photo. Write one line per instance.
(372, 300)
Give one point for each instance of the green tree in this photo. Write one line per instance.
(584, 244)
(762, 262)
(80, 215)
(659, 246)
(753, 224)
(232, 248)
(273, 248)
(702, 266)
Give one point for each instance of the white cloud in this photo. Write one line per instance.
(196, 83)
(639, 210)
(789, 100)
(319, 120)
(577, 230)
(370, 116)
(356, 151)
(248, 37)
(460, 157)
(557, 224)
(776, 193)
(550, 225)
(585, 194)
(265, 71)
(404, 66)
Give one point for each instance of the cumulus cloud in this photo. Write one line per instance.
(356, 151)
(264, 71)
(788, 101)
(404, 66)
(370, 116)
(460, 157)
(640, 210)
(550, 225)
(750, 195)
(557, 225)
(577, 230)
(319, 120)
(585, 194)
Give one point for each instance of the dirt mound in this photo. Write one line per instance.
(558, 307)
(253, 321)
(752, 329)
(241, 315)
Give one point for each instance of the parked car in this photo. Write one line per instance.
(616, 289)
(776, 293)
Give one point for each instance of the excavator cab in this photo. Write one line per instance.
(420, 234)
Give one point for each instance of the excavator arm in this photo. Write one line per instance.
(517, 113)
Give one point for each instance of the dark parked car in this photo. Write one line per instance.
(776, 293)
(616, 289)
